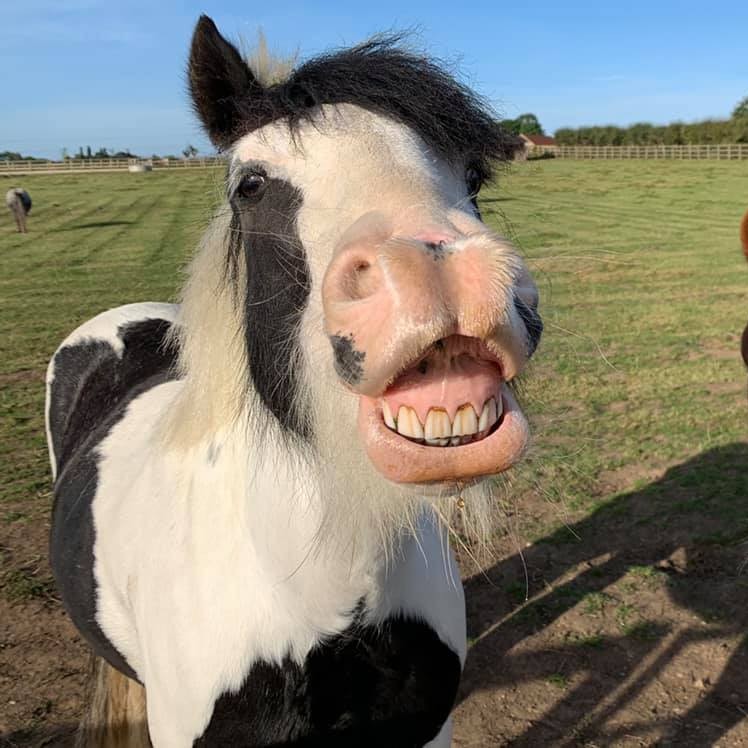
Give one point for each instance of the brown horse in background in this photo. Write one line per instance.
(744, 240)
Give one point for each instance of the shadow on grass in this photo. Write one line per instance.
(97, 225)
(690, 529)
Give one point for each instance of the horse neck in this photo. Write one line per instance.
(275, 501)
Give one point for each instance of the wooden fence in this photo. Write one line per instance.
(103, 164)
(734, 151)
(728, 152)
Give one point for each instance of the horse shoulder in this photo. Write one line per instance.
(97, 372)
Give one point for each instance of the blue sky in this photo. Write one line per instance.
(111, 74)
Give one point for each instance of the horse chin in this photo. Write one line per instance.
(442, 468)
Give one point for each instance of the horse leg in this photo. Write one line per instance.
(18, 215)
(115, 715)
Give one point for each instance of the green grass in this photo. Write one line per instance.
(594, 603)
(23, 584)
(644, 294)
(559, 680)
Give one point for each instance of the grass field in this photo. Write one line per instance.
(631, 511)
(645, 295)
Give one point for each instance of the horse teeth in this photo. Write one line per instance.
(387, 413)
(489, 415)
(439, 430)
(438, 442)
(466, 422)
(483, 420)
(408, 423)
(438, 426)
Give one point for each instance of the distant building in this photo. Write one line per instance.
(537, 143)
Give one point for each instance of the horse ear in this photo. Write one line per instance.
(218, 79)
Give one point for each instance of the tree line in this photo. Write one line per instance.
(707, 132)
(102, 153)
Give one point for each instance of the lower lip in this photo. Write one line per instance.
(402, 461)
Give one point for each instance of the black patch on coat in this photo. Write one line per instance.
(533, 324)
(90, 393)
(25, 199)
(278, 286)
(388, 686)
(377, 75)
(348, 360)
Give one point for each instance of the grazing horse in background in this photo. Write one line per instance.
(252, 489)
(19, 202)
(744, 241)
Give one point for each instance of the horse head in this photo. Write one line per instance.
(370, 296)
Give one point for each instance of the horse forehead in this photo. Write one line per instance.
(341, 137)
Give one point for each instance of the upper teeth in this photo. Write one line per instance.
(438, 430)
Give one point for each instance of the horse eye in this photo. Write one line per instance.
(473, 181)
(252, 186)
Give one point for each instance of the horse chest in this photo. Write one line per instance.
(390, 685)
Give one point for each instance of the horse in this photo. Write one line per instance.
(744, 242)
(19, 203)
(254, 489)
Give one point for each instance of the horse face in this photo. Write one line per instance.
(376, 300)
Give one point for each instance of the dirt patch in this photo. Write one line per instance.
(25, 375)
(613, 481)
(720, 351)
(42, 658)
(725, 388)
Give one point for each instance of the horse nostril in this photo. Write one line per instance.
(361, 279)
(438, 250)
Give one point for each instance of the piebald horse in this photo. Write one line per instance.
(19, 204)
(253, 488)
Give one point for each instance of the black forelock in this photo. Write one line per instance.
(382, 77)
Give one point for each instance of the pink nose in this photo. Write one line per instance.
(384, 302)
(435, 237)
(400, 267)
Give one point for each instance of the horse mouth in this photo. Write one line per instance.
(449, 417)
